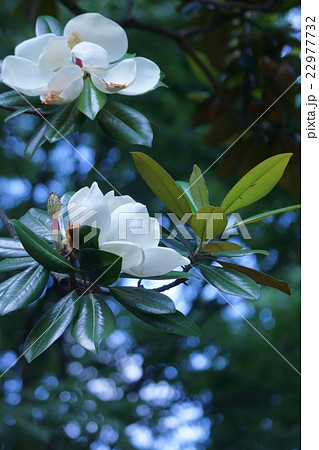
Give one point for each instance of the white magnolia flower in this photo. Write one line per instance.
(126, 229)
(54, 66)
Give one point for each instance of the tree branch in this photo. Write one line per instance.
(7, 224)
(34, 112)
(265, 7)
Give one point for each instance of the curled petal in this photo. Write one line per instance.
(24, 75)
(92, 57)
(132, 223)
(115, 201)
(158, 261)
(131, 253)
(147, 76)
(88, 207)
(32, 48)
(56, 54)
(65, 86)
(117, 78)
(94, 27)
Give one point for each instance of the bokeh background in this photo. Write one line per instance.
(225, 64)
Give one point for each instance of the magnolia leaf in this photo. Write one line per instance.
(50, 326)
(48, 24)
(198, 188)
(25, 288)
(100, 266)
(263, 216)
(13, 98)
(257, 183)
(124, 124)
(161, 183)
(259, 277)
(39, 221)
(208, 222)
(37, 139)
(91, 100)
(230, 281)
(11, 264)
(184, 188)
(66, 121)
(16, 113)
(40, 250)
(220, 246)
(93, 323)
(145, 300)
(11, 247)
(175, 323)
(239, 253)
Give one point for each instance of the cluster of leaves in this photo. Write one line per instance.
(118, 121)
(90, 273)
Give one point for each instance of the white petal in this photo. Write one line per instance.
(131, 223)
(93, 27)
(92, 57)
(24, 75)
(118, 77)
(158, 261)
(147, 77)
(131, 254)
(114, 201)
(88, 207)
(65, 86)
(32, 48)
(56, 54)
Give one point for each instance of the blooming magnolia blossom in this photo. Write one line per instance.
(53, 66)
(126, 229)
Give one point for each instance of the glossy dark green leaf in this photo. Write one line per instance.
(145, 300)
(91, 100)
(198, 188)
(13, 98)
(88, 237)
(259, 277)
(37, 139)
(26, 287)
(39, 221)
(66, 121)
(48, 24)
(6, 283)
(40, 250)
(11, 247)
(123, 123)
(239, 253)
(50, 326)
(257, 183)
(11, 264)
(230, 282)
(102, 267)
(161, 183)
(175, 323)
(16, 113)
(93, 323)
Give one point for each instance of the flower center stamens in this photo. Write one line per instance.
(50, 97)
(74, 39)
(114, 86)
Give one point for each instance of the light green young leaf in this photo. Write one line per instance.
(161, 183)
(198, 188)
(93, 323)
(257, 183)
(50, 326)
(208, 222)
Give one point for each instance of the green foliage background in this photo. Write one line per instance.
(229, 389)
